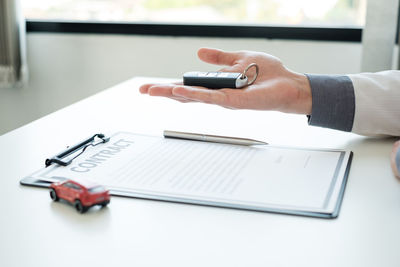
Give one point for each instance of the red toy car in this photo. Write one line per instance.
(82, 195)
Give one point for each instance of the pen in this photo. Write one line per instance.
(212, 138)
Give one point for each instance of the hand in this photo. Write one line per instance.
(276, 87)
(396, 147)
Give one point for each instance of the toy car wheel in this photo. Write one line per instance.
(79, 207)
(104, 204)
(53, 195)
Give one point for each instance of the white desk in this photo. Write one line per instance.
(133, 232)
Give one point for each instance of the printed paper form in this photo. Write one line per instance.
(260, 175)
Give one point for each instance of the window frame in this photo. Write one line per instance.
(338, 34)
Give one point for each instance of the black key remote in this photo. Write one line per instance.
(215, 80)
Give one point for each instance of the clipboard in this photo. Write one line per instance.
(266, 178)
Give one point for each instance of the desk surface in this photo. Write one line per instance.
(37, 232)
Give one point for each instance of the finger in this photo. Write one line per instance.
(181, 99)
(145, 87)
(218, 57)
(165, 90)
(201, 94)
(397, 144)
(161, 90)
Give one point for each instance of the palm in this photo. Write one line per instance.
(274, 89)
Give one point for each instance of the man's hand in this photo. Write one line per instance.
(396, 148)
(276, 87)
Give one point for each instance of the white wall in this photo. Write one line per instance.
(65, 68)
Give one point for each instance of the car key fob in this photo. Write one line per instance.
(215, 80)
(218, 80)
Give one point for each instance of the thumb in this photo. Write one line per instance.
(217, 56)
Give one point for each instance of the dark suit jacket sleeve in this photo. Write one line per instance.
(333, 103)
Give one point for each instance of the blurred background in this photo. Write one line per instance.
(283, 12)
(76, 48)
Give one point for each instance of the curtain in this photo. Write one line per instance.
(12, 44)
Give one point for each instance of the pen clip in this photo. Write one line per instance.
(82, 145)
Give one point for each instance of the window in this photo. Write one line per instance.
(337, 13)
(97, 189)
(72, 186)
(69, 185)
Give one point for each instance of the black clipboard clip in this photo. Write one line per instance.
(82, 145)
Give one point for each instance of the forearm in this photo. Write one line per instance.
(366, 104)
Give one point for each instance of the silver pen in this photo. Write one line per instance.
(212, 138)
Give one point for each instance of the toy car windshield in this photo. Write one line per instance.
(97, 189)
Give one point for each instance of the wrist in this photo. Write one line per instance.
(304, 98)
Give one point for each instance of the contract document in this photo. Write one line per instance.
(267, 178)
